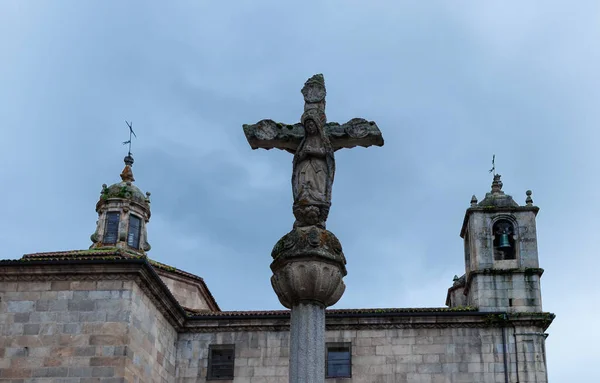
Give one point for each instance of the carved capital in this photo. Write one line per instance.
(308, 280)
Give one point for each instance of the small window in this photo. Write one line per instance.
(338, 363)
(111, 229)
(133, 237)
(220, 361)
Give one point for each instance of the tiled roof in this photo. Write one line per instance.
(112, 253)
(377, 311)
(83, 254)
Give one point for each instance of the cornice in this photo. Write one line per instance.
(398, 321)
(489, 271)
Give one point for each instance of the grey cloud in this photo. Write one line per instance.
(449, 86)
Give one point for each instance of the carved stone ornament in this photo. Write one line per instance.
(314, 89)
(268, 134)
(313, 142)
(310, 241)
(308, 263)
(264, 130)
(308, 281)
(308, 266)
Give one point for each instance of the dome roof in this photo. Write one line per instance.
(124, 190)
(497, 198)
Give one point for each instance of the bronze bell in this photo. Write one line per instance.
(503, 243)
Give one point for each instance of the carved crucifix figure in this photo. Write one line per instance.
(313, 142)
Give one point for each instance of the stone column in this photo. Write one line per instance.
(308, 268)
(307, 351)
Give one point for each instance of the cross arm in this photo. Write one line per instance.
(268, 134)
(356, 132)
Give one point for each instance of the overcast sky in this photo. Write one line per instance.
(449, 84)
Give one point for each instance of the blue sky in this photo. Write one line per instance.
(448, 83)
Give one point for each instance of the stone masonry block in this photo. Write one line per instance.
(20, 306)
(60, 285)
(83, 285)
(31, 329)
(81, 305)
(34, 286)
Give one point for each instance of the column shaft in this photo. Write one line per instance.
(307, 344)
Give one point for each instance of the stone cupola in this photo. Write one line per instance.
(123, 212)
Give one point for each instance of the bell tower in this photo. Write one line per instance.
(502, 270)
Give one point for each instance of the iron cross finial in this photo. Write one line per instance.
(493, 169)
(131, 132)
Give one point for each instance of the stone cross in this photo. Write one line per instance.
(309, 265)
(313, 142)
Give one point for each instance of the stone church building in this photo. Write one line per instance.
(111, 314)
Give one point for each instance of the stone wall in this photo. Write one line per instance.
(66, 329)
(456, 297)
(83, 331)
(186, 291)
(378, 356)
(511, 292)
(151, 348)
(259, 356)
(124, 326)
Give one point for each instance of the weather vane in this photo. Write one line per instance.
(128, 142)
(493, 169)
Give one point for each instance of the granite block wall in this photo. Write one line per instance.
(110, 331)
(516, 292)
(74, 330)
(83, 332)
(151, 347)
(186, 292)
(426, 355)
(259, 356)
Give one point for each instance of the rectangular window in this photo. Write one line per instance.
(339, 360)
(111, 229)
(133, 237)
(220, 361)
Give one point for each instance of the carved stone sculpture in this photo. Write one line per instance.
(308, 263)
(313, 142)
